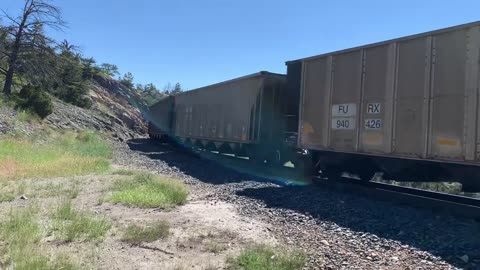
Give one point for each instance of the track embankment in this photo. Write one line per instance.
(337, 229)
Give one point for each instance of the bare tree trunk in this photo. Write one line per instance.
(7, 87)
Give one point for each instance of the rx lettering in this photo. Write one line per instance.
(373, 108)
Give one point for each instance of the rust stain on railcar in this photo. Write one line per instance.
(447, 141)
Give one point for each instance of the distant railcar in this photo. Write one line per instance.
(408, 107)
(161, 118)
(244, 116)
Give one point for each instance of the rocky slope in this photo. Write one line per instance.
(117, 111)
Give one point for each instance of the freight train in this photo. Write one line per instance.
(407, 108)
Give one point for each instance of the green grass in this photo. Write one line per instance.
(262, 257)
(67, 155)
(41, 262)
(21, 228)
(70, 225)
(27, 117)
(20, 234)
(6, 197)
(146, 190)
(136, 235)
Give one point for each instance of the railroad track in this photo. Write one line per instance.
(419, 198)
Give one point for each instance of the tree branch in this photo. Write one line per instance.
(13, 20)
(3, 71)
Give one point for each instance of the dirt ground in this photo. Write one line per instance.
(203, 232)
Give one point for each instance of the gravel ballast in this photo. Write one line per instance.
(337, 230)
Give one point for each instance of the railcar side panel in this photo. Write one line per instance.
(377, 99)
(346, 86)
(222, 112)
(448, 95)
(316, 102)
(411, 97)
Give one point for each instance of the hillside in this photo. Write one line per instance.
(117, 111)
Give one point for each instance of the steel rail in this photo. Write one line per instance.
(419, 198)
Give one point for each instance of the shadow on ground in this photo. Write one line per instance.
(201, 168)
(441, 235)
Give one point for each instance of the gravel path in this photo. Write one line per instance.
(337, 230)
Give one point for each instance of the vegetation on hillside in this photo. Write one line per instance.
(30, 58)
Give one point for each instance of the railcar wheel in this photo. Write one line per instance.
(273, 159)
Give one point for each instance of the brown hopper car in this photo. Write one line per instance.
(408, 107)
(242, 116)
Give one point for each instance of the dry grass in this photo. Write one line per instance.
(125, 172)
(136, 235)
(68, 155)
(70, 191)
(215, 247)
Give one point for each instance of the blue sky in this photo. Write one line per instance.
(200, 42)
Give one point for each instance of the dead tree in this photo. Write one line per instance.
(25, 33)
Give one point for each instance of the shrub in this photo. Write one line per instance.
(34, 99)
(74, 94)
